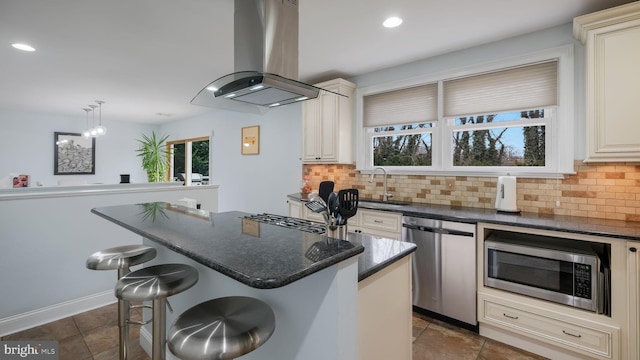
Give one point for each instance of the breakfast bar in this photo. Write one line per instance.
(310, 280)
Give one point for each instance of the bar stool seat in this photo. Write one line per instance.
(156, 283)
(222, 328)
(121, 258)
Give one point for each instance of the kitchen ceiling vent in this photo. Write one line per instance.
(265, 60)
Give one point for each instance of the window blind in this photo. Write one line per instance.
(405, 106)
(526, 87)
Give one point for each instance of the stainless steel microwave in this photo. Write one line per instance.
(564, 271)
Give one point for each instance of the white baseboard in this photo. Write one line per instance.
(55, 312)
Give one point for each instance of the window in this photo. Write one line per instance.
(493, 119)
(404, 145)
(190, 160)
(504, 139)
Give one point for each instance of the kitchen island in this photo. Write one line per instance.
(310, 280)
(48, 233)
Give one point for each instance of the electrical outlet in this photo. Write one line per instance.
(557, 203)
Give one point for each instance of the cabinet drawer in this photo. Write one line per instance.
(587, 340)
(375, 233)
(380, 220)
(313, 216)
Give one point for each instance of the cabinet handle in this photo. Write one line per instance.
(510, 317)
(570, 334)
(378, 221)
(632, 249)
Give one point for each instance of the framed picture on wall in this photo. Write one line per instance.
(251, 140)
(73, 154)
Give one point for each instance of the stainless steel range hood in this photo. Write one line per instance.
(265, 60)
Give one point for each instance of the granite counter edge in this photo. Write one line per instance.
(258, 283)
(524, 220)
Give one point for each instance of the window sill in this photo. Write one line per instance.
(520, 174)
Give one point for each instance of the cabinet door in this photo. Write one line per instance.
(328, 120)
(310, 130)
(633, 276)
(295, 209)
(612, 84)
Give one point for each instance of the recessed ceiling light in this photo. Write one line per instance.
(23, 47)
(392, 22)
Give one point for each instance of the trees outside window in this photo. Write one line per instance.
(509, 139)
(392, 149)
(197, 159)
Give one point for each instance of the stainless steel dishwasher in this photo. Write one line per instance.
(444, 267)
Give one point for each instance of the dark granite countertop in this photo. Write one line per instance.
(378, 253)
(572, 224)
(259, 255)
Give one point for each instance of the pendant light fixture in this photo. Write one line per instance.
(86, 133)
(101, 130)
(94, 132)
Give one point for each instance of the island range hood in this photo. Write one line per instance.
(265, 60)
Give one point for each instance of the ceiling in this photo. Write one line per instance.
(148, 58)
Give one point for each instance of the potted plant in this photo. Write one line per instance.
(155, 157)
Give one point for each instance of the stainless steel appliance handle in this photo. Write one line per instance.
(422, 228)
(438, 230)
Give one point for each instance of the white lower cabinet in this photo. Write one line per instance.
(377, 223)
(586, 337)
(370, 222)
(385, 312)
(633, 280)
(295, 209)
(559, 331)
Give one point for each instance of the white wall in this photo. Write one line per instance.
(27, 147)
(251, 183)
(504, 49)
(46, 240)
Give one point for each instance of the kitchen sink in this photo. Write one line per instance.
(385, 205)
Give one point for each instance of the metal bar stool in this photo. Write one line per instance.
(157, 283)
(222, 328)
(121, 258)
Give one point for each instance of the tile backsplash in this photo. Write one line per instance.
(603, 190)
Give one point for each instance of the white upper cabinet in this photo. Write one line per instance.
(611, 38)
(327, 124)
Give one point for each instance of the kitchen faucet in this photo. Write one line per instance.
(385, 194)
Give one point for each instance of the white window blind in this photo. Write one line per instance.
(405, 106)
(526, 87)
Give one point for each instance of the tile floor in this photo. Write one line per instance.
(437, 340)
(93, 335)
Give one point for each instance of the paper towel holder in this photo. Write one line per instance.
(506, 195)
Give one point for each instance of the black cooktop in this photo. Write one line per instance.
(288, 222)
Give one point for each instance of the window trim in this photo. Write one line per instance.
(562, 149)
(188, 158)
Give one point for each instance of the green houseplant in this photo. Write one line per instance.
(155, 157)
